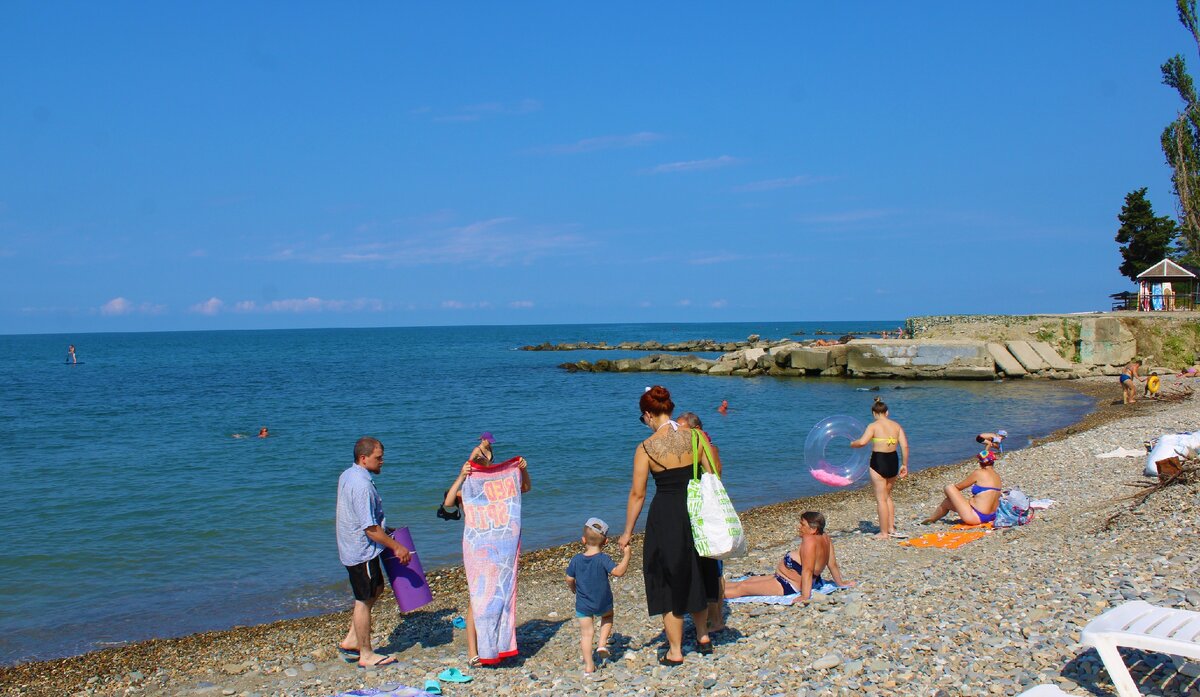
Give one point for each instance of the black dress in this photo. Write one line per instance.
(678, 580)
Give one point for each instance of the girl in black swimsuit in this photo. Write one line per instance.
(887, 441)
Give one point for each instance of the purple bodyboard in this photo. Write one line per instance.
(408, 580)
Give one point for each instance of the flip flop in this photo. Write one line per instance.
(603, 653)
(663, 660)
(432, 687)
(454, 675)
(348, 655)
(459, 623)
(383, 662)
(896, 534)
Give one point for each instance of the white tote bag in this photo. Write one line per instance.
(716, 529)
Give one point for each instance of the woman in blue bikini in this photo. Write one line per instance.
(799, 571)
(985, 494)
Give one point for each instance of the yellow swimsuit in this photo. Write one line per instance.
(886, 441)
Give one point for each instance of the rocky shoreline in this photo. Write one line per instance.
(991, 618)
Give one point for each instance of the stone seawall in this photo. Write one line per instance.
(1170, 340)
(964, 347)
(954, 359)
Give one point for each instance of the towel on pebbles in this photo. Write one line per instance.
(399, 691)
(825, 588)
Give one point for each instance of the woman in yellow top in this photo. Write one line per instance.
(885, 436)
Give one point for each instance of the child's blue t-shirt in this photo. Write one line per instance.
(592, 594)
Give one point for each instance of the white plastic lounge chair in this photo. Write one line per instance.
(1045, 691)
(1140, 625)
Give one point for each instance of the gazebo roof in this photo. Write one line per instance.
(1166, 269)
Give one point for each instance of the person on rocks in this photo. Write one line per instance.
(800, 570)
(362, 535)
(678, 580)
(885, 437)
(587, 577)
(985, 494)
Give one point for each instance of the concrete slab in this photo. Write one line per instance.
(920, 358)
(1005, 361)
(811, 359)
(1029, 358)
(1047, 353)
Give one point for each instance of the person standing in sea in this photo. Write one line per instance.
(362, 535)
(678, 580)
(71, 358)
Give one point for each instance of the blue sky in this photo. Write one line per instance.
(242, 165)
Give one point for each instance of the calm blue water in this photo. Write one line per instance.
(130, 511)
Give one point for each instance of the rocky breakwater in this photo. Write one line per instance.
(690, 346)
(952, 359)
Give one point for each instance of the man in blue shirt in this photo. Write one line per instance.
(362, 534)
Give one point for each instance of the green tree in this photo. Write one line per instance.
(1181, 141)
(1145, 239)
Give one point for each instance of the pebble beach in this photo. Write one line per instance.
(993, 617)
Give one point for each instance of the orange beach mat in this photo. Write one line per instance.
(958, 536)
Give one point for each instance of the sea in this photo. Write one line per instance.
(137, 503)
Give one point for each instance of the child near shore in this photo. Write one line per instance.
(587, 577)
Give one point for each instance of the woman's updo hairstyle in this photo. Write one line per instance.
(879, 407)
(657, 400)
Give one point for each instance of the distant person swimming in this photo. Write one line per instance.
(724, 408)
(71, 357)
(263, 433)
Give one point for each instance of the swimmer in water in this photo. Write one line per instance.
(724, 408)
(71, 355)
(263, 433)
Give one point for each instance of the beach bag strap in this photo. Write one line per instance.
(699, 441)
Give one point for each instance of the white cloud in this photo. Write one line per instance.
(846, 217)
(719, 303)
(493, 242)
(122, 306)
(695, 165)
(602, 143)
(312, 304)
(784, 183)
(684, 303)
(459, 305)
(478, 112)
(209, 307)
(116, 306)
(521, 304)
(719, 258)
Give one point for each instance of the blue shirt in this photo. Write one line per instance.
(358, 508)
(592, 593)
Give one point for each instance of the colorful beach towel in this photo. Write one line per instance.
(825, 588)
(491, 546)
(958, 536)
(398, 691)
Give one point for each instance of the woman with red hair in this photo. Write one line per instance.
(678, 580)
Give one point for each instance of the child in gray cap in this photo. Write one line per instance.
(587, 577)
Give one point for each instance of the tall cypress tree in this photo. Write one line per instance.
(1181, 140)
(1145, 238)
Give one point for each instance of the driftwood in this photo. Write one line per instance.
(1173, 470)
